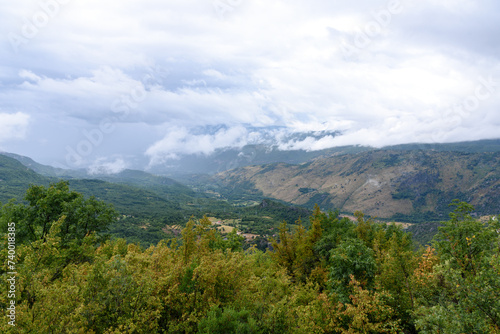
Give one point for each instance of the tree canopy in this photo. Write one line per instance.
(337, 276)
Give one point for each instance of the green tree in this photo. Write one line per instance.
(228, 321)
(47, 205)
(466, 281)
(464, 241)
(368, 312)
(396, 269)
(294, 251)
(334, 231)
(351, 259)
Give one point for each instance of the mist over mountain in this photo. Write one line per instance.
(229, 158)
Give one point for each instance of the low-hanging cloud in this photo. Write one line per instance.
(181, 141)
(103, 166)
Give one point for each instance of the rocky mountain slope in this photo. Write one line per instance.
(412, 185)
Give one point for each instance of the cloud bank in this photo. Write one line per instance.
(83, 80)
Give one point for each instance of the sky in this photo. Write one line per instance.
(108, 84)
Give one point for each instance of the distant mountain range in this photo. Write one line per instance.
(230, 158)
(226, 159)
(405, 184)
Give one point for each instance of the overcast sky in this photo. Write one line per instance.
(88, 82)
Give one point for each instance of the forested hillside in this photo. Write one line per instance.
(15, 178)
(149, 205)
(414, 185)
(336, 276)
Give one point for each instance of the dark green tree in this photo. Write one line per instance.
(351, 259)
(44, 206)
(228, 321)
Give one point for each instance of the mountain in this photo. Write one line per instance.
(15, 178)
(410, 185)
(230, 158)
(136, 178)
(47, 170)
(146, 203)
(479, 146)
(412, 182)
(161, 185)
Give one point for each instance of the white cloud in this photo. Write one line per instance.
(25, 74)
(309, 144)
(107, 166)
(13, 126)
(182, 141)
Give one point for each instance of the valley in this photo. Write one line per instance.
(410, 185)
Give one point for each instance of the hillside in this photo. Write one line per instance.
(398, 184)
(45, 170)
(144, 211)
(147, 203)
(15, 178)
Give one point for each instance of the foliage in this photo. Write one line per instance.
(335, 276)
(47, 205)
(351, 259)
(463, 284)
(228, 321)
(368, 312)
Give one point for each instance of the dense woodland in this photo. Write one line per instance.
(147, 203)
(334, 276)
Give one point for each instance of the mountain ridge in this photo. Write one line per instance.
(229, 158)
(382, 183)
